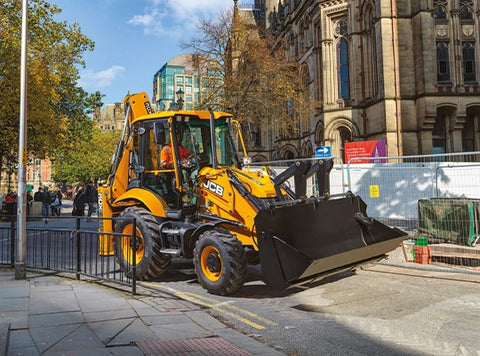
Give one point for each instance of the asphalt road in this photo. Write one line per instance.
(377, 310)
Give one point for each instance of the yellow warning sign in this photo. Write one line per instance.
(374, 191)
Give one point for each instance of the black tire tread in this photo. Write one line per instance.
(237, 258)
(159, 263)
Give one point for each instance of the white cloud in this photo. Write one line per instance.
(177, 17)
(101, 79)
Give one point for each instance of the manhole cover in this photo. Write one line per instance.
(206, 346)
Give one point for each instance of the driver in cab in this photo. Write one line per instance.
(166, 155)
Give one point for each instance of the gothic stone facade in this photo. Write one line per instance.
(406, 71)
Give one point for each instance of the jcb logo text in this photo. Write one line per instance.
(213, 187)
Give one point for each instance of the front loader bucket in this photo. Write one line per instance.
(303, 241)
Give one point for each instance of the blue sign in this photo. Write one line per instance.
(323, 152)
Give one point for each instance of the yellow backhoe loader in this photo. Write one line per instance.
(206, 205)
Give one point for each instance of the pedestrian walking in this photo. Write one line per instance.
(79, 202)
(57, 203)
(91, 199)
(38, 195)
(46, 201)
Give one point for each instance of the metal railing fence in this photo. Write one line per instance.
(70, 245)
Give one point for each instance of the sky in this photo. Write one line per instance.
(133, 39)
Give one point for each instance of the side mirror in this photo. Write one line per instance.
(159, 132)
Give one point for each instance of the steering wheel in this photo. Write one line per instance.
(189, 161)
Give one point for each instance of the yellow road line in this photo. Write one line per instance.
(196, 300)
(228, 305)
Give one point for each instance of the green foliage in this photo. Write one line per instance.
(58, 123)
(88, 159)
(55, 104)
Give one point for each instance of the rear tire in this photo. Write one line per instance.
(150, 263)
(220, 262)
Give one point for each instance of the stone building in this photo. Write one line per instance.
(110, 117)
(405, 71)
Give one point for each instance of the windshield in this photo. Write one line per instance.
(196, 138)
(194, 135)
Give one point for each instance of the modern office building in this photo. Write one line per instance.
(185, 77)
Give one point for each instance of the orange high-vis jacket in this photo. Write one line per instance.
(166, 155)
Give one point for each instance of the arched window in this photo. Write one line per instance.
(345, 136)
(439, 135)
(468, 141)
(468, 57)
(466, 14)
(370, 54)
(440, 13)
(443, 64)
(343, 69)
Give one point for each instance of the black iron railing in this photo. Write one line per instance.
(71, 245)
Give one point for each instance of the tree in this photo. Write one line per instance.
(258, 82)
(82, 163)
(54, 55)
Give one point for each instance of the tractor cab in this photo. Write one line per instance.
(167, 153)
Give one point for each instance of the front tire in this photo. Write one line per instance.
(220, 262)
(150, 263)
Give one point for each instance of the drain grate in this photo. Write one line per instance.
(211, 346)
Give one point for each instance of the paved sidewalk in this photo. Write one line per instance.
(50, 315)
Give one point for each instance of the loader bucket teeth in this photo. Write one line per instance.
(303, 241)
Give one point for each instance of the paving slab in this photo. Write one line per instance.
(165, 318)
(4, 337)
(14, 289)
(205, 320)
(81, 340)
(94, 297)
(17, 319)
(46, 337)
(106, 315)
(125, 351)
(180, 331)
(51, 301)
(21, 340)
(55, 319)
(13, 304)
(143, 309)
(136, 331)
(108, 330)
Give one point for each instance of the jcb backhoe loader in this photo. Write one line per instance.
(208, 208)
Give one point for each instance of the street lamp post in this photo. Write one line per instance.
(20, 272)
(180, 94)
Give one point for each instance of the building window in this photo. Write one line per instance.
(468, 142)
(345, 136)
(466, 14)
(468, 56)
(258, 136)
(370, 54)
(439, 137)
(443, 64)
(439, 13)
(343, 75)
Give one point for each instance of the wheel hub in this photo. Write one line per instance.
(213, 262)
(135, 243)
